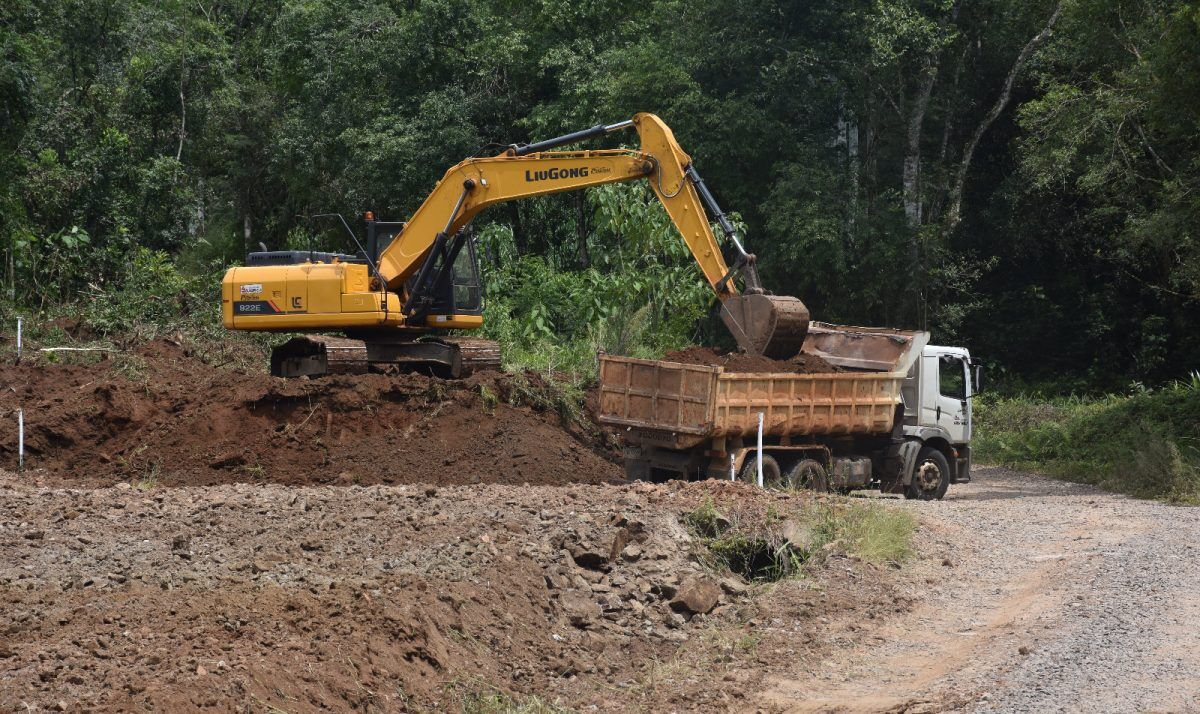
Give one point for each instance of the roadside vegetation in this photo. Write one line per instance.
(1146, 444)
(769, 545)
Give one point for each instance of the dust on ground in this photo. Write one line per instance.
(802, 363)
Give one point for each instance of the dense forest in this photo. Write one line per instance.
(1019, 176)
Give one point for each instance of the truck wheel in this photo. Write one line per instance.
(931, 476)
(771, 473)
(807, 474)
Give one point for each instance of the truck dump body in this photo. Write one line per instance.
(680, 405)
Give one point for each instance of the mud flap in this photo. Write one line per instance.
(908, 460)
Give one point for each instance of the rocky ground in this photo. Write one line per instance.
(390, 598)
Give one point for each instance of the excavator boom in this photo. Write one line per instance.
(387, 304)
(760, 323)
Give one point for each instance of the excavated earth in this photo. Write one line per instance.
(186, 537)
(161, 417)
(802, 363)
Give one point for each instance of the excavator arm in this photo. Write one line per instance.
(387, 308)
(761, 324)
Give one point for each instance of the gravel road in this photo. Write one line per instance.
(1034, 595)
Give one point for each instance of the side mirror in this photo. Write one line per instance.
(978, 379)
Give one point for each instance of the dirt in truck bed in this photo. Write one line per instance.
(161, 417)
(802, 363)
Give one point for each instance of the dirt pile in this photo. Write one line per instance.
(802, 363)
(163, 418)
(390, 598)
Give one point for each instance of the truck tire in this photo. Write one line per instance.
(931, 476)
(807, 474)
(772, 476)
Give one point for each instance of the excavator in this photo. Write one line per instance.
(402, 300)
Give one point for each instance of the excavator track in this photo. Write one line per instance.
(448, 357)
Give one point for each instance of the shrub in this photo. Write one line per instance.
(1146, 444)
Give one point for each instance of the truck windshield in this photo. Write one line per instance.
(952, 378)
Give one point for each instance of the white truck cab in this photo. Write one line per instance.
(937, 407)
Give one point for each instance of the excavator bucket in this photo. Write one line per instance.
(770, 325)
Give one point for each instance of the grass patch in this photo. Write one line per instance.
(565, 398)
(1146, 444)
(772, 544)
(872, 531)
(477, 697)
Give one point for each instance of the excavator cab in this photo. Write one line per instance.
(459, 292)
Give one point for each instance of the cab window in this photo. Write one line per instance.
(951, 378)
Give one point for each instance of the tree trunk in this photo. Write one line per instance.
(182, 105)
(518, 234)
(585, 259)
(954, 212)
(912, 152)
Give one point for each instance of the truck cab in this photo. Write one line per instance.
(937, 397)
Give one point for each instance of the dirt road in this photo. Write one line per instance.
(1035, 595)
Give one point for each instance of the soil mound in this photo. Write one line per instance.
(802, 363)
(165, 418)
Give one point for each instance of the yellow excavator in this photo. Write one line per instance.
(399, 297)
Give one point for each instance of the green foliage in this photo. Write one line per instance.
(200, 130)
(1146, 443)
(773, 545)
(641, 296)
(871, 531)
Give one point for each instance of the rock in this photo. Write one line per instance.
(590, 558)
(181, 543)
(227, 460)
(696, 595)
(1023, 650)
(35, 535)
(799, 536)
(733, 586)
(580, 611)
(631, 552)
(619, 542)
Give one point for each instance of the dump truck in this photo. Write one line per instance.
(895, 417)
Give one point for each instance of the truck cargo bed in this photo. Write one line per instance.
(680, 405)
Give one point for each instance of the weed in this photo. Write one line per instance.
(148, 479)
(746, 545)
(475, 696)
(490, 400)
(869, 530)
(563, 398)
(254, 471)
(777, 545)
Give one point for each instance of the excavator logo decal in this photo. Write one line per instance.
(556, 174)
